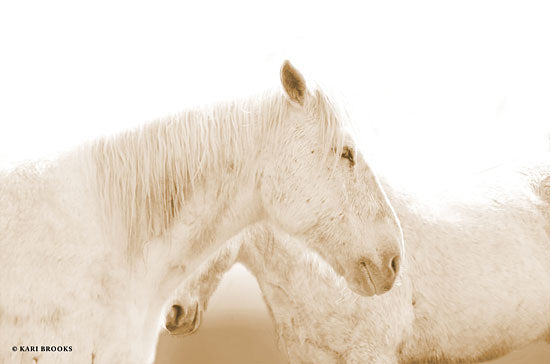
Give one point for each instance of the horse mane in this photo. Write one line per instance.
(145, 175)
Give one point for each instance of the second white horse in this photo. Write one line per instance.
(475, 283)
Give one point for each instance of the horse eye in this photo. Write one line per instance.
(347, 153)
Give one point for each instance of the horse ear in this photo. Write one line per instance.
(293, 83)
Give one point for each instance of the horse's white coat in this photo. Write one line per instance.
(475, 283)
(94, 243)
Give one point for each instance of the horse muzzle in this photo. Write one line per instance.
(183, 321)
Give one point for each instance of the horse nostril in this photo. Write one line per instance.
(173, 317)
(178, 310)
(394, 264)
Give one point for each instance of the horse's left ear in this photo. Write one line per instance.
(293, 83)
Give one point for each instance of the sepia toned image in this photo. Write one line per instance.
(274, 182)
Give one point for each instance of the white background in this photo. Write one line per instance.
(437, 88)
(435, 85)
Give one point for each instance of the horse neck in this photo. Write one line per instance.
(151, 177)
(260, 252)
(277, 259)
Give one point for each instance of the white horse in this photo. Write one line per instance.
(94, 243)
(475, 283)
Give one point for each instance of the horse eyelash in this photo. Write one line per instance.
(348, 153)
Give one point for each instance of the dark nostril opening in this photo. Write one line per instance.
(172, 319)
(394, 264)
(178, 312)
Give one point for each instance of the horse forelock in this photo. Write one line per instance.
(145, 176)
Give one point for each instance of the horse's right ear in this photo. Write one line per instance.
(293, 83)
